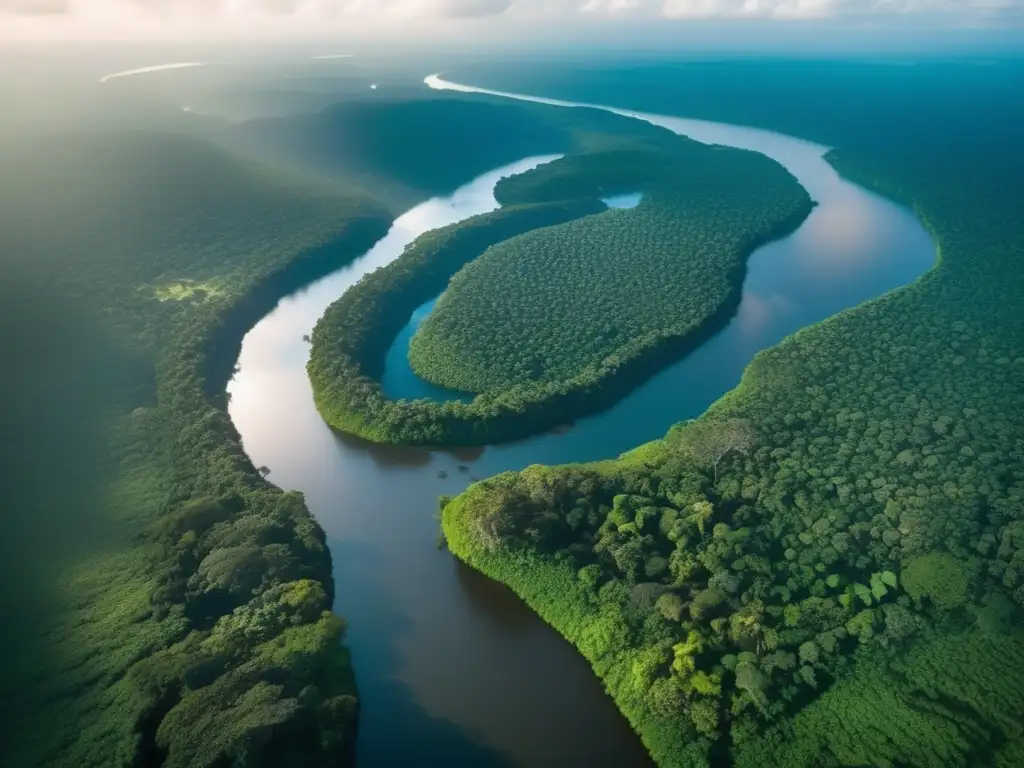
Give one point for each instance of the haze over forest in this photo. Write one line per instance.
(512, 383)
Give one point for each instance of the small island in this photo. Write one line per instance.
(555, 306)
(614, 295)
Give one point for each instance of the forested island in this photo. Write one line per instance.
(593, 296)
(556, 306)
(824, 569)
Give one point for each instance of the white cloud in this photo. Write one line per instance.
(34, 7)
(622, 7)
(249, 8)
(475, 8)
(452, 8)
(362, 20)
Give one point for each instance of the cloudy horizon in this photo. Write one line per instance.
(421, 19)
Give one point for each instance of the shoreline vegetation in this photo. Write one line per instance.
(186, 616)
(579, 301)
(825, 568)
(223, 579)
(199, 626)
(690, 199)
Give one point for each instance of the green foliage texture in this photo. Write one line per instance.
(847, 579)
(584, 298)
(673, 266)
(351, 340)
(173, 607)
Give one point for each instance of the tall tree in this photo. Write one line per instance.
(709, 442)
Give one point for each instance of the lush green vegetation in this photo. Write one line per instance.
(402, 148)
(351, 340)
(825, 569)
(172, 606)
(185, 614)
(593, 295)
(699, 274)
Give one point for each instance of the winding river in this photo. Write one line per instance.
(452, 669)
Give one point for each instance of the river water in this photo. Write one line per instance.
(453, 670)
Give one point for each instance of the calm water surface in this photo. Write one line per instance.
(452, 669)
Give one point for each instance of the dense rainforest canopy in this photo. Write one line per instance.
(401, 147)
(825, 569)
(591, 294)
(572, 305)
(173, 607)
(187, 586)
(351, 340)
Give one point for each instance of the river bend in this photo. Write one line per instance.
(453, 669)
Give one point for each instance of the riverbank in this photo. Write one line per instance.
(857, 426)
(350, 342)
(193, 607)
